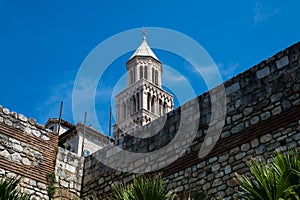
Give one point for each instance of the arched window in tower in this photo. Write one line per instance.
(148, 101)
(133, 105)
(145, 72)
(152, 105)
(123, 110)
(152, 75)
(138, 101)
(134, 75)
(141, 71)
(165, 108)
(160, 107)
(131, 76)
(156, 77)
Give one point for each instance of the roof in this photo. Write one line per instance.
(56, 120)
(73, 131)
(144, 50)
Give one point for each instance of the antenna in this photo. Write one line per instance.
(60, 114)
(110, 121)
(84, 126)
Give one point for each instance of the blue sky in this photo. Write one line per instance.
(43, 43)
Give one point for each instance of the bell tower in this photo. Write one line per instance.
(143, 100)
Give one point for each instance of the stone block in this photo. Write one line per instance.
(265, 115)
(284, 61)
(217, 182)
(277, 110)
(16, 157)
(240, 155)
(263, 72)
(276, 97)
(215, 167)
(227, 169)
(26, 161)
(260, 149)
(266, 138)
(224, 157)
(245, 147)
(254, 143)
(70, 168)
(2, 172)
(254, 120)
(232, 88)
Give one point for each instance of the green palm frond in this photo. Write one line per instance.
(275, 180)
(143, 189)
(9, 190)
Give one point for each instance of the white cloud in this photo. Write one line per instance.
(228, 70)
(170, 75)
(49, 108)
(261, 14)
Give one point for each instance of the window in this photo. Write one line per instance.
(152, 75)
(145, 72)
(138, 101)
(141, 72)
(131, 76)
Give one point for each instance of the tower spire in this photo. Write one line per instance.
(144, 49)
(144, 99)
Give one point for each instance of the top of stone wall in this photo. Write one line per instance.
(280, 59)
(21, 122)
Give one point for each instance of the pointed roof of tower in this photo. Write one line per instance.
(144, 50)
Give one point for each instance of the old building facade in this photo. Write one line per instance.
(263, 116)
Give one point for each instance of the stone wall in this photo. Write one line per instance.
(27, 149)
(69, 171)
(263, 112)
(30, 151)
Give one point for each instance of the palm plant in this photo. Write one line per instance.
(275, 180)
(143, 189)
(9, 190)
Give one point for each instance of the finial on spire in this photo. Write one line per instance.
(144, 32)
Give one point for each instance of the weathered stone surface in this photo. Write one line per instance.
(22, 117)
(265, 115)
(276, 97)
(2, 172)
(16, 157)
(215, 167)
(266, 138)
(260, 149)
(245, 147)
(254, 143)
(8, 122)
(27, 130)
(254, 120)
(263, 72)
(44, 137)
(248, 111)
(5, 111)
(36, 133)
(17, 147)
(233, 88)
(282, 62)
(26, 161)
(277, 110)
(5, 154)
(227, 169)
(240, 155)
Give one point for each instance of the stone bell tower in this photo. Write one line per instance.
(143, 100)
